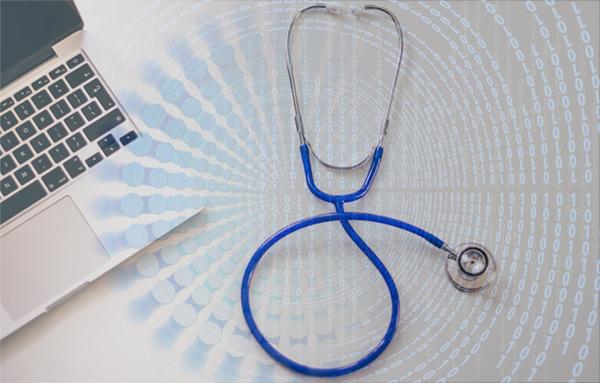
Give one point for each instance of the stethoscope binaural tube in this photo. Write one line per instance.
(335, 10)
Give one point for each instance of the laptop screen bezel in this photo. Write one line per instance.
(43, 53)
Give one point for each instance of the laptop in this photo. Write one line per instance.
(64, 140)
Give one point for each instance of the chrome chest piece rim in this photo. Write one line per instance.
(470, 267)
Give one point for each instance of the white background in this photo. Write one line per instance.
(493, 138)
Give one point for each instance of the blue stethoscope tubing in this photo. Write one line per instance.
(344, 218)
(470, 268)
(340, 215)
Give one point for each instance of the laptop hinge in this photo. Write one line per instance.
(26, 65)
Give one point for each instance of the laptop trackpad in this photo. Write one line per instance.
(46, 255)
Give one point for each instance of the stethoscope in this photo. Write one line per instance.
(470, 267)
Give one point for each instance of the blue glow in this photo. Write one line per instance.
(133, 174)
(132, 205)
(136, 236)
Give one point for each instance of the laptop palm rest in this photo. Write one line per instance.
(46, 255)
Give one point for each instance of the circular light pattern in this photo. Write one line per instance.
(238, 346)
(493, 138)
(184, 277)
(132, 205)
(184, 315)
(201, 296)
(209, 333)
(169, 255)
(163, 292)
(136, 236)
(147, 265)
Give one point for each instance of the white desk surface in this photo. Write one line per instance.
(493, 138)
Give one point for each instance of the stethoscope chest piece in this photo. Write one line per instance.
(470, 267)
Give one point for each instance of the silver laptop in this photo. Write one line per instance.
(64, 142)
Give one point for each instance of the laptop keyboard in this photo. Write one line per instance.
(45, 124)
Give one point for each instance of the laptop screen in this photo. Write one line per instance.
(28, 31)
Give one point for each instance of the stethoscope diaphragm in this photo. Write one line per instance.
(470, 267)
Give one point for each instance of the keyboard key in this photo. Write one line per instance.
(109, 145)
(91, 110)
(21, 200)
(25, 130)
(77, 98)
(9, 141)
(94, 159)
(58, 88)
(57, 132)
(107, 140)
(59, 109)
(95, 89)
(41, 99)
(55, 179)
(74, 167)
(72, 63)
(74, 121)
(42, 119)
(76, 142)
(24, 174)
(104, 125)
(41, 164)
(22, 93)
(6, 103)
(7, 164)
(40, 82)
(105, 100)
(40, 143)
(8, 120)
(126, 139)
(57, 72)
(80, 75)
(7, 185)
(24, 109)
(23, 153)
(59, 152)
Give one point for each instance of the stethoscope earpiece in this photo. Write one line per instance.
(333, 8)
(357, 10)
(470, 267)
